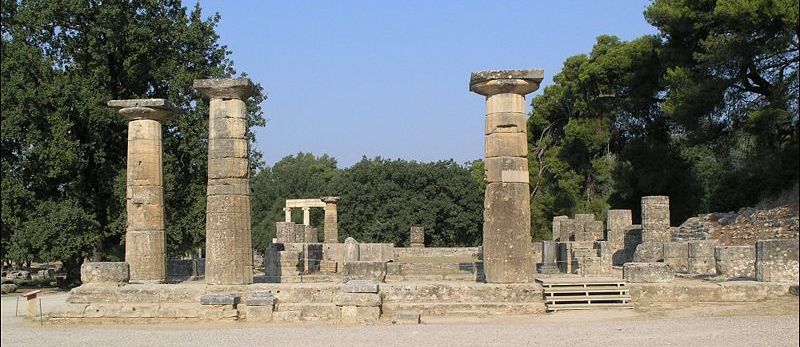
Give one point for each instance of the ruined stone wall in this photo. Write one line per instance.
(777, 261)
(735, 261)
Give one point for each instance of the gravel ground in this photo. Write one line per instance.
(764, 324)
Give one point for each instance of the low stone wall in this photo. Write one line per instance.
(735, 261)
(180, 269)
(686, 292)
(777, 261)
(647, 273)
(402, 253)
(460, 298)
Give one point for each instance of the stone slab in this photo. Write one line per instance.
(647, 273)
(219, 299)
(115, 273)
(360, 286)
(364, 270)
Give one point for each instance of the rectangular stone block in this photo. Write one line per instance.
(228, 204)
(219, 299)
(506, 233)
(676, 249)
(227, 128)
(144, 216)
(507, 145)
(505, 103)
(702, 266)
(229, 186)
(146, 129)
(260, 299)
(360, 286)
(702, 248)
(506, 122)
(649, 252)
(735, 261)
(647, 273)
(619, 219)
(357, 299)
(227, 221)
(104, 273)
(228, 168)
(299, 233)
(227, 148)
(359, 314)
(777, 261)
(557, 228)
(147, 195)
(259, 313)
(328, 266)
(284, 231)
(144, 170)
(567, 230)
(506, 169)
(680, 265)
(364, 270)
(406, 317)
(310, 234)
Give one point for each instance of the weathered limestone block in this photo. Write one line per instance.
(300, 233)
(506, 144)
(8, 288)
(506, 122)
(406, 317)
(310, 234)
(360, 314)
(417, 237)
(735, 261)
(229, 254)
(568, 229)
(584, 218)
(617, 222)
(647, 272)
(506, 234)
(376, 252)
(549, 257)
(185, 268)
(701, 257)
(357, 299)
(220, 299)
(360, 286)
(351, 250)
(655, 219)
(328, 266)
(116, 273)
(506, 169)
(284, 231)
(649, 252)
(557, 228)
(331, 225)
(676, 255)
(565, 258)
(364, 270)
(592, 266)
(777, 260)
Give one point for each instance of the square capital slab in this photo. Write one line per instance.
(154, 109)
(493, 82)
(225, 88)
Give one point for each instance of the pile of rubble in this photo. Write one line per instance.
(744, 227)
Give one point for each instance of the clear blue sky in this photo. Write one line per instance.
(390, 78)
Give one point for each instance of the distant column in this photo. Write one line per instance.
(306, 215)
(145, 249)
(288, 214)
(331, 219)
(417, 237)
(655, 219)
(229, 251)
(507, 211)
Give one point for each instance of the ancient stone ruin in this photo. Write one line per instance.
(610, 261)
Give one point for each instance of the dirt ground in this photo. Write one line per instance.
(773, 323)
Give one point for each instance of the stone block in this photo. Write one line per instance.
(506, 145)
(417, 237)
(262, 313)
(360, 286)
(8, 288)
(328, 266)
(701, 266)
(406, 317)
(287, 316)
(702, 248)
(506, 234)
(735, 261)
(364, 270)
(649, 252)
(506, 169)
(633, 237)
(777, 261)
(228, 168)
(239, 204)
(619, 219)
(351, 250)
(505, 103)
(506, 122)
(655, 219)
(357, 299)
(676, 250)
(299, 233)
(228, 128)
(567, 229)
(310, 234)
(115, 273)
(219, 299)
(260, 299)
(557, 228)
(647, 272)
(228, 186)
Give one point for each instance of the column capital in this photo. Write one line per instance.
(306, 208)
(330, 199)
(493, 82)
(154, 109)
(225, 88)
(286, 209)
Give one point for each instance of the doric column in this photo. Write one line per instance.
(306, 215)
(507, 211)
(145, 248)
(229, 251)
(331, 219)
(288, 214)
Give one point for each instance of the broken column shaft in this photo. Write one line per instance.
(145, 248)
(229, 252)
(507, 223)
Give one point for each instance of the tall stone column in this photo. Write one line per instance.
(145, 249)
(507, 212)
(229, 251)
(331, 219)
(618, 222)
(287, 214)
(306, 215)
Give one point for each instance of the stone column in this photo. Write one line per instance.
(618, 222)
(507, 211)
(549, 256)
(145, 248)
(331, 219)
(288, 214)
(557, 227)
(655, 219)
(306, 215)
(417, 237)
(229, 251)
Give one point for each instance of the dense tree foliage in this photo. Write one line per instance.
(380, 199)
(704, 112)
(64, 151)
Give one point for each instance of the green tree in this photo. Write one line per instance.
(63, 150)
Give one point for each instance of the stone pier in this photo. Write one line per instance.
(417, 237)
(507, 217)
(618, 221)
(549, 256)
(229, 251)
(145, 243)
(655, 219)
(331, 219)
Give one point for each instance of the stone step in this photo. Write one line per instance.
(593, 306)
(391, 278)
(465, 309)
(559, 298)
